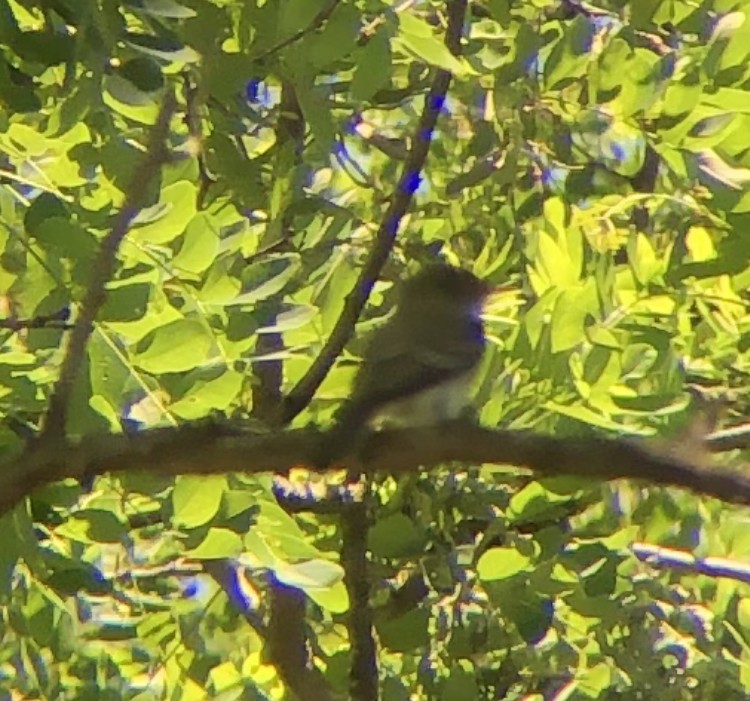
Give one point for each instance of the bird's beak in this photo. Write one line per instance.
(501, 292)
(501, 299)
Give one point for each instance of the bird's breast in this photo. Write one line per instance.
(434, 405)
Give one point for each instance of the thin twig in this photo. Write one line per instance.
(669, 558)
(726, 439)
(56, 320)
(193, 100)
(103, 268)
(301, 394)
(317, 22)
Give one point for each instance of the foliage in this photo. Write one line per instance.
(596, 157)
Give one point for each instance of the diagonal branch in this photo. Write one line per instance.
(285, 635)
(53, 430)
(301, 394)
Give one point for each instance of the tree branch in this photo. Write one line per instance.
(363, 675)
(285, 632)
(287, 642)
(301, 394)
(316, 23)
(732, 438)
(207, 449)
(53, 426)
(669, 558)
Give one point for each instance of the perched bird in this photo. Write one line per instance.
(418, 367)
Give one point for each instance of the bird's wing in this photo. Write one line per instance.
(397, 365)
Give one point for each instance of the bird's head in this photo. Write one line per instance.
(444, 285)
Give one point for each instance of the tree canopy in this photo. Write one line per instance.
(207, 205)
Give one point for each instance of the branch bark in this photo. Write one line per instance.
(209, 449)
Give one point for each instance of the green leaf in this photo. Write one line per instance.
(373, 70)
(67, 239)
(196, 500)
(127, 300)
(277, 537)
(337, 38)
(124, 98)
(572, 308)
(38, 616)
(600, 578)
(743, 612)
(461, 683)
(295, 15)
(312, 574)
(558, 261)
(94, 526)
(539, 498)
(167, 219)
(416, 38)
(163, 48)
(600, 336)
(334, 599)
(596, 680)
(16, 89)
(209, 395)
(406, 633)
(224, 678)
(531, 613)
(267, 278)
(46, 206)
(219, 543)
(571, 54)
(584, 415)
(502, 563)
(176, 347)
(44, 47)
(144, 74)
(199, 246)
(395, 536)
(643, 259)
(316, 109)
(682, 96)
(162, 8)
(238, 502)
(157, 628)
(292, 318)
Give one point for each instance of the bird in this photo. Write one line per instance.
(418, 367)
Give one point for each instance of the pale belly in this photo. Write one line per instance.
(435, 405)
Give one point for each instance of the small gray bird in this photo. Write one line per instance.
(418, 367)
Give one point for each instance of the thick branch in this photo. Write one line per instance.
(302, 393)
(207, 449)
